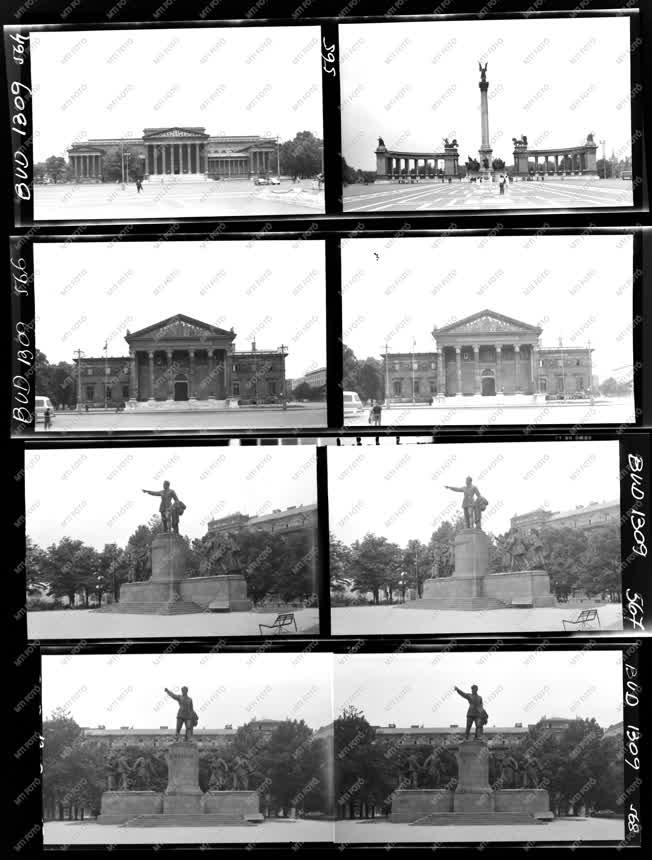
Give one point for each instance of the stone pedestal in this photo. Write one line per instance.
(119, 806)
(473, 792)
(183, 794)
(168, 558)
(233, 804)
(409, 805)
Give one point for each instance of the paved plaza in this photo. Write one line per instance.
(176, 199)
(87, 624)
(271, 830)
(559, 830)
(403, 619)
(462, 194)
(617, 410)
(263, 418)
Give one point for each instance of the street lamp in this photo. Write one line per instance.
(604, 160)
(79, 383)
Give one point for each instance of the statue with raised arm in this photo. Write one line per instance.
(475, 713)
(471, 492)
(186, 715)
(168, 500)
(483, 71)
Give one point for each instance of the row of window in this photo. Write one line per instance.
(422, 386)
(268, 388)
(432, 365)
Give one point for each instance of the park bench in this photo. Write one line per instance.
(584, 620)
(284, 619)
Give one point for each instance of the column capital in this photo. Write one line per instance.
(517, 347)
(150, 353)
(476, 347)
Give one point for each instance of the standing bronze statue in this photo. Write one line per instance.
(483, 71)
(475, 713)
(186, 714)
(170, 509)
(472, 503)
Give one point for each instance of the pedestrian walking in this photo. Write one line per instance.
(47, 419)
(502, 182)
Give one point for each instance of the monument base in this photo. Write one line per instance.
(409, 805)
(227, 592)
(241, 804)
(517, 588)
(117, 807)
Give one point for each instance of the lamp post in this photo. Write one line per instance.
(604, 160)
(79, 385)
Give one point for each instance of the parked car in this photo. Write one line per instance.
(41, 404)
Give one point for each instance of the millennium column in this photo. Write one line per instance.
(485, 147)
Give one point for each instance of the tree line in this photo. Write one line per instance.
(273, 564)
(289, 769)
(579, 767)
(574, 559)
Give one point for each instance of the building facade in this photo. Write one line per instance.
(293, 519)
(585, 517)
(487, 354)
(176, 150)
(182, 359)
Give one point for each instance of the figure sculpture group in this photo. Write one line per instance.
(522, 551)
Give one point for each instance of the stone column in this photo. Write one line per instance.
(191, 374)
(186, 147)
(534, 367)
(133, 378)
(499, 367)
(441, 372)
(485, 146)
(556, 164)
(163, 159)
(170, 385)
(517, 368)
(147, 170)
(150, 355)
(458, 362)
(228, 362)
(476, 368)
(211, 374)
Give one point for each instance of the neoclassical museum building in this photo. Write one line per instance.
(487, 354)
(182, 359)
(179, 150)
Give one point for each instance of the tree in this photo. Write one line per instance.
(339, 556)
(562, 549)
(73, 772)
(56, 381)
(600, 564)
(416, 564)
(364, 774)
(56, 168)
(349, 174)
(301, 157)
(611, 387)
(371, 380)
(303, 391)
(34, 567)
(282, 763)
(61, 569)
(137, 551)
(604, 168)
(441, 547)
(375, 565)
(350, 369)
(112, 571)
(133, 165)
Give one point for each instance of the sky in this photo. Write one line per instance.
(128, 689)
(230, 80)
(399, 492)
(95, 494)
(415, 83)
(516, 687)
(578, 288)
(272, 292)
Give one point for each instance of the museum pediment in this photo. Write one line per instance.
(175, 132)
(178, 328)
(487, 322)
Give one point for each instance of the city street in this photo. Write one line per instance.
(260, 418)
(176, 199)
(616, 410)
(431, 194)
(86, 624)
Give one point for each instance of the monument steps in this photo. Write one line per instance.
(170, 607)
(178, 405)
(211, 819)
(435, 819)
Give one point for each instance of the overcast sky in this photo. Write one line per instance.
(272, 292)
(231, 80)
(95, 495)
(128, 689)
(554, 80)
(400, 492)
(517, 687)
(578, 288)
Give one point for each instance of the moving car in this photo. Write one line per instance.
(41, 404)
(352, 404)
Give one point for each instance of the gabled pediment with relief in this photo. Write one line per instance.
(179, 328)
(487, 322)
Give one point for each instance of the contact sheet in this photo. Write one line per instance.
(328, 419)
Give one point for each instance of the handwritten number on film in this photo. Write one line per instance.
(328, 57)
(24, 353)
(632, 735)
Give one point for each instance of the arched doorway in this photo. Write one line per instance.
(180, 387)
(488, 383)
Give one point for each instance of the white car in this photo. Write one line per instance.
(41, 404)
(352, 404)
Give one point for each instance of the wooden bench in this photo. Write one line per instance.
(583, 620)
(284, 619)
